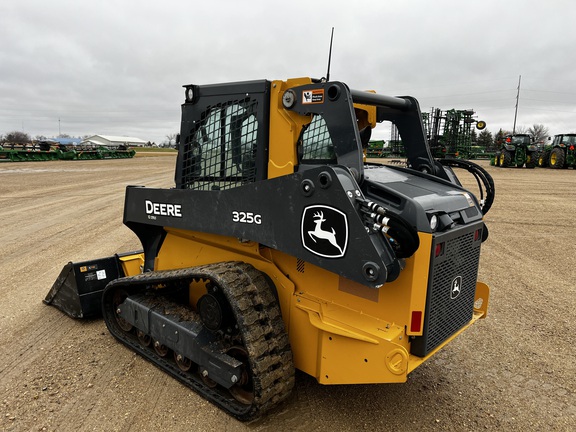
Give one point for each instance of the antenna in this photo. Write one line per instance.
(516, 110)
(330, 55)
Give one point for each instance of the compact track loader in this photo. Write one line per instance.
(280, 249)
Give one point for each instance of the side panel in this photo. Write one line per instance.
(320, 330)
(331, 315)
(282, 213)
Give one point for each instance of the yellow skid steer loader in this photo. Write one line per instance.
(279, 248)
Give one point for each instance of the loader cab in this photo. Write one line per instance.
(225, 140)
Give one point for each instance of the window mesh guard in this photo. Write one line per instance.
(316, 143)
(220, 152)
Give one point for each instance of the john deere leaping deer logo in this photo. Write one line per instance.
(456, 287)
(319, 233)
(324, 231)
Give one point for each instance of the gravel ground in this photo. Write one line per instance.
(512, 371)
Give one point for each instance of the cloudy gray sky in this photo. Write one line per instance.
(117, 67)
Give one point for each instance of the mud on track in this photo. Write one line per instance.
(512, 371)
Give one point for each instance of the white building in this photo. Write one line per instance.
(113, 141)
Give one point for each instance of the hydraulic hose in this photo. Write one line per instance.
(403, 237)
(483, 179)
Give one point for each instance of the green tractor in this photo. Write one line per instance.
(517, 150)
(560, 154)
(376, 149)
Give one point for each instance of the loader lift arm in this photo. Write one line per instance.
(404, 112)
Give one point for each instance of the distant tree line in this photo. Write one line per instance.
(17, 137)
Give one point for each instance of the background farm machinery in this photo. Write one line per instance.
(561, 153)
(450, 135)
(516, 150)
(46, 151)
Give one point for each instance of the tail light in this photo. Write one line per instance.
(439, 250)
(477, 234)
(416, 322)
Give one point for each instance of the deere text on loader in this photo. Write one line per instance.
(280, 249)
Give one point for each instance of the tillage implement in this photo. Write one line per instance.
(280, 249)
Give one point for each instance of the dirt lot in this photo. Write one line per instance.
(512, 371)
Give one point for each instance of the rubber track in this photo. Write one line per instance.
(259, 322)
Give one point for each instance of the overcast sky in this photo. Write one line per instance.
(118, 67)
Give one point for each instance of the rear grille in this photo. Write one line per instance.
(447, 310)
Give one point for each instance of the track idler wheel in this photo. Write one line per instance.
(243, 389)
(119, 297)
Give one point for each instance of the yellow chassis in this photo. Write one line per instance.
(341, 332)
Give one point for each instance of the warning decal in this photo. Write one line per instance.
(313, 96)
(84, 269)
